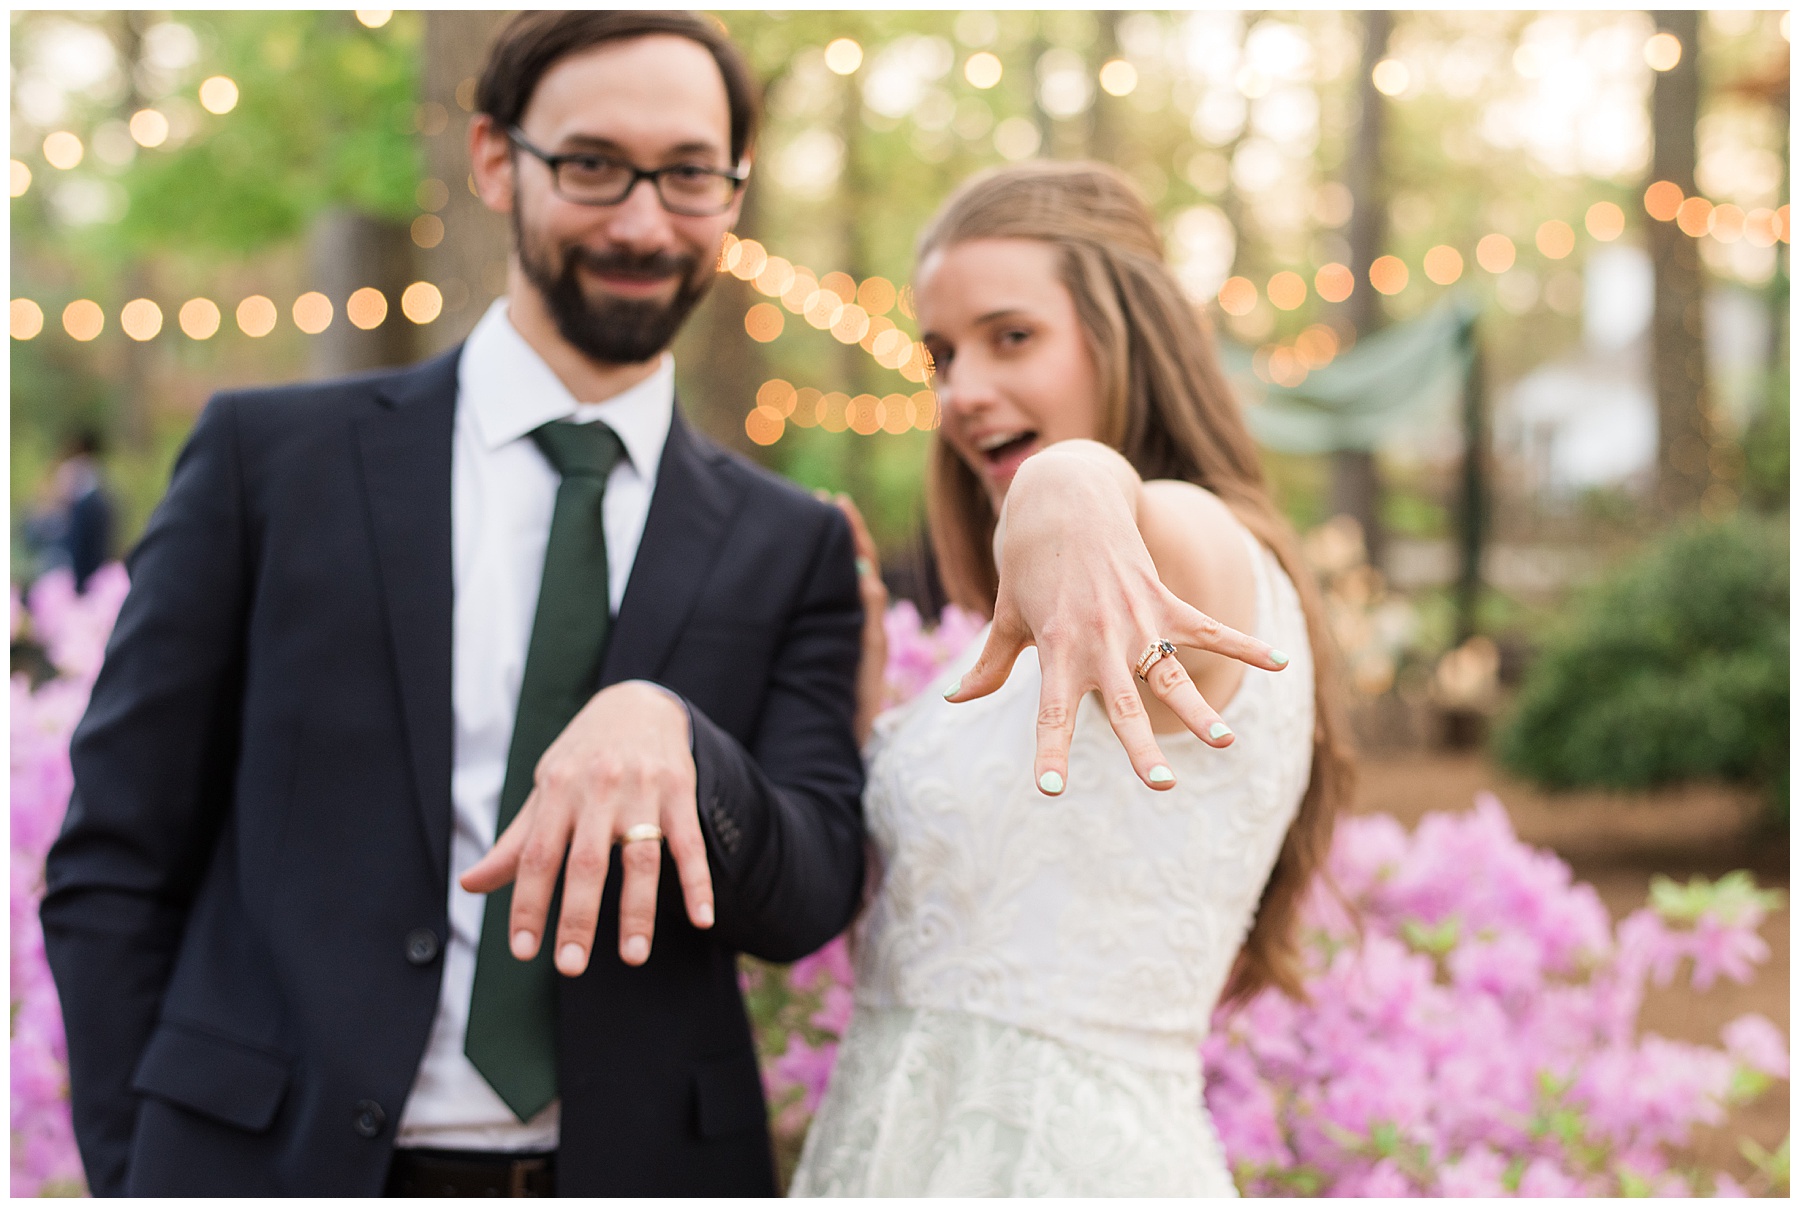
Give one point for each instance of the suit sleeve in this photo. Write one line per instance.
(153, 759)
(783, 818)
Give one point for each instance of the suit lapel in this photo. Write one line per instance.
(689, 515)
(405, 438)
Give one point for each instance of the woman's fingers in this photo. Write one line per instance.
(1058, 704)
(1001, 651)
(1125, 710)
(1169, 680)
(1202, 632)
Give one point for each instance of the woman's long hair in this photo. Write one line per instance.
(1167, 407)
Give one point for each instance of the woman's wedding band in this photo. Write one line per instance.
(641, 833)
(1153, 654)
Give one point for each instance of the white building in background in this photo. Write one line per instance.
(1588, 419)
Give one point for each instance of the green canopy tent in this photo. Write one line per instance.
(1363, 396)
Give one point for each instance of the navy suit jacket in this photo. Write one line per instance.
(246, 909)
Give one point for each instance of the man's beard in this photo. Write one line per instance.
(613, 331)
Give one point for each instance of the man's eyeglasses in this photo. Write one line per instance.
(597, 180)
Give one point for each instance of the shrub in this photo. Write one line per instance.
(1674, 667)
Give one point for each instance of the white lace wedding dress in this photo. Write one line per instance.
(1035, 975)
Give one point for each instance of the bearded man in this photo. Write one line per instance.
(377, 622)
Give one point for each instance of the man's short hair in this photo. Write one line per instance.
(533, 42)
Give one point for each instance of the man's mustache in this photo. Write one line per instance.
(651, 267)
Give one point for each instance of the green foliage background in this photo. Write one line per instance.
(1675, 667)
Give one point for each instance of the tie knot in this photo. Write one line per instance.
(580, 449)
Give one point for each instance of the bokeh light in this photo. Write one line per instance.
(1237, 296)
(428, 230)
(62, 150)
(21, 178)
(843, 55)
(1118, 77)
(764, 322)
(422, 302)
(864, 414)
(983, 70)
(1316, 346)
(432, 195)
(1662, 51)
(1388, 274)
(1495, 253)
(747, 259)
(1694, 216)
(312, 312)
(149, 128)
(366, 308)
(199, 318)
(776, 278)
(896, 414)
(141, 319)
(851, 325)
(778, 395)
(764, 426)
(83, 319)
(1728, 223)
(374, 18)
(892, 349)
(833, 411)
(1605, 221)
(27, 319)
(806, 408)
(1287, 290)
(1334, 281)
(822, 308)
(841, 284)
(218, 94)
(1662, 199)
(1443, 265)
(1391, 77)
(1759, 227)
(256, 316)
(876, 295)
(1555, 238)
(925, 411)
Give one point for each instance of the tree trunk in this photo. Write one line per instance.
(1678, 326)
(469, 265)
(1355, 478)
(351, 251)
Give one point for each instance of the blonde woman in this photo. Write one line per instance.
(1060, 910)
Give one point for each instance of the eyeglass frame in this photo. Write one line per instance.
(737, 176)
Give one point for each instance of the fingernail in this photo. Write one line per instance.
(1160, 774)
(1218, 730)
(821, 494)
(1051, 782)
(571, 959)
(1278, 658)
(952, 690)
(636, 949)
(864, 566)
(703, 916)
(524, 945)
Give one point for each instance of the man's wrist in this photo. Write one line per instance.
(687, 713)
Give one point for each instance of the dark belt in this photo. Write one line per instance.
(467, 1172)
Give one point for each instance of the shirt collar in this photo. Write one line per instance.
(509, 391)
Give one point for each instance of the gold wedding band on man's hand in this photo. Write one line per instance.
(643, 832)
(1153, 654)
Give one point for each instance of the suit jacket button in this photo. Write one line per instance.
(369, 1119)
(421, 946)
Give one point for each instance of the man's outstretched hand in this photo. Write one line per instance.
(624, 760)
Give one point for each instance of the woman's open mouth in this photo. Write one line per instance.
(1004, 452)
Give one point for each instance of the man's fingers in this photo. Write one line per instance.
(540, 860)
(1202, 632)
(1058, 703)
(1125, 709)
(1001, 651)
(1173, 686)
(584, 879)
(687, 846)
(501, 863)
(642, 861)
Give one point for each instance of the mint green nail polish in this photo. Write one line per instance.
(1051, 783)
(1217, 730)
(1161, 775)
(1278, 658)
(952, 690)
(864, 566)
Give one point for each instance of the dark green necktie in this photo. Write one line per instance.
(512, 1011)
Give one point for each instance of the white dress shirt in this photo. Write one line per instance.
(503, 492)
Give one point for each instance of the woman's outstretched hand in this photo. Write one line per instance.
(871, 676)
(1077, 581)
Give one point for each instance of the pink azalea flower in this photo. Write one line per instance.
(1757, 1043)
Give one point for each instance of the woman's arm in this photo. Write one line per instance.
(1079, 580)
